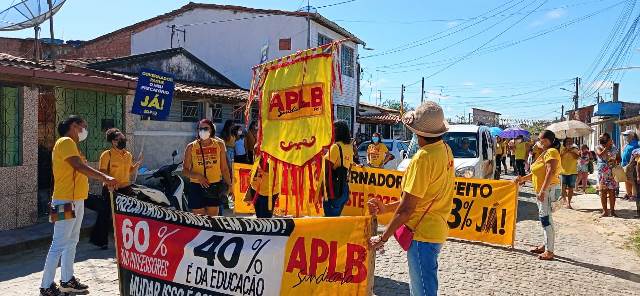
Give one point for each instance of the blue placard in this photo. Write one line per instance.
(154, 94)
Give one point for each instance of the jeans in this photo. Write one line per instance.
(333, 207)
(545, 208)
(66, 234)
(423, 268)
(520, 167)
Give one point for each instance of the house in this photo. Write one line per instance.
(35, 96)
(233, 39)
(372, 118)
(485, 117)
(605, 117)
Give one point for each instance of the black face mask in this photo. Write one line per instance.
(121, 144)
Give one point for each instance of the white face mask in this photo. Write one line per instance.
(539, 145)
(83, 134)
(204, 135)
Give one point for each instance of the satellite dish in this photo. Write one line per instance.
(28, 14)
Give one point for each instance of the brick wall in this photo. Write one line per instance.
(111, 46)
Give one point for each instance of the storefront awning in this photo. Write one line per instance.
(608, 109)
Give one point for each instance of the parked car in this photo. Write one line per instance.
(396, 148)
(473, 151)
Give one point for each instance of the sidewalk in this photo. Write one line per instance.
(35, 236)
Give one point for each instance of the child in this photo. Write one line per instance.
(583, 168)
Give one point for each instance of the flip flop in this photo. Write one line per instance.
(546, 258)
(538, 250)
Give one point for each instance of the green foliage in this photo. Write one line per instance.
(395, 105)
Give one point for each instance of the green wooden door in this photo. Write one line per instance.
(101, 111)
(10, 126)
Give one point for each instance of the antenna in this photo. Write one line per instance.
(30, 14)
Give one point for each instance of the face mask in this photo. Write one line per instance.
(239, 133)
(83, 134)
(375, 139)
(121, 144)
(539, 145)
(204, 135)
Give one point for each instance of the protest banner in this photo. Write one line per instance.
(482, 210)
(154, 93)
(295, 99)
(162, 251)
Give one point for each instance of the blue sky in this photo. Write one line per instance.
(532, 70)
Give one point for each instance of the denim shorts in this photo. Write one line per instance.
(568, 180)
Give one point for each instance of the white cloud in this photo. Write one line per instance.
(452, 24)
(435, 94)
(468, 83)
(485, 91)
(556, 13)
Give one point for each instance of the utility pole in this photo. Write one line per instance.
(308, 26)
(576, 95)
(53, 47)
(379, 99)
(422, 92)
(402, 99)
(562, 113)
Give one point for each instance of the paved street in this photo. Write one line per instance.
(592, 260)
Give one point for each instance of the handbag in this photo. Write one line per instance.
(404, 234)
(61, 212)
(618, 173)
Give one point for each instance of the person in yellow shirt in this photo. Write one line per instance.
(521, 150)
(338, 162)
(501, 155)
(569, 154)
(260, 185)
(427, 197)
(116, 162)
(205, 164)
(377, 153)
(70, 189)
(545, 172)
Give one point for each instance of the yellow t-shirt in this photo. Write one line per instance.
(213, 153)
(347, 154)
(117, 164)
(569, 161)
(430, 175)
(263, 181)
(539, 169)
(521, 150)
(68, 183)
(501, 148)
(377, 153)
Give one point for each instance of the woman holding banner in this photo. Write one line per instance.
(71, 188)
(339, 160)
(205, 164)
(116, 162)
(420, 220)
(545, 176)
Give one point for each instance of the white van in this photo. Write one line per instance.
(473, 150)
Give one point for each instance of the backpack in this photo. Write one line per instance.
(338, 178)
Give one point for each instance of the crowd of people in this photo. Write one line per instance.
(577, 163)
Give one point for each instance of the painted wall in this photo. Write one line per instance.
(18, 184)
(233, 48)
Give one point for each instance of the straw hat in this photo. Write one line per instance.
(427, 120)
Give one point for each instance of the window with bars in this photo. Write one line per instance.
(322, 40)
(345, 113)
(346, 59)
(191, 111)
(216, 112)
(10, 127)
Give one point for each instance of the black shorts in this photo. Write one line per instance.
(200, 197)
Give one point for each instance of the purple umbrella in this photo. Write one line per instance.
(514, 132)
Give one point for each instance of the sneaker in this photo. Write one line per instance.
(73, 285)
(51, 291)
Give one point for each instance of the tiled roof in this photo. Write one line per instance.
(77, 68)
(385, 118)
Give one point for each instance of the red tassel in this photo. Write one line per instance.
(301, 187)
(312, 191)
(294, 188)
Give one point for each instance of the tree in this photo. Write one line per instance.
(395, 105)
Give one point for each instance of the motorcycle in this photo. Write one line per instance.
(169, 192)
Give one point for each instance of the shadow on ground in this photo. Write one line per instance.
(10, 267)
(527, 210)
(382, 286)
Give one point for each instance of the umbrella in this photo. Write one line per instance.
(514, 132)
(495, 131)
(570, 128)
